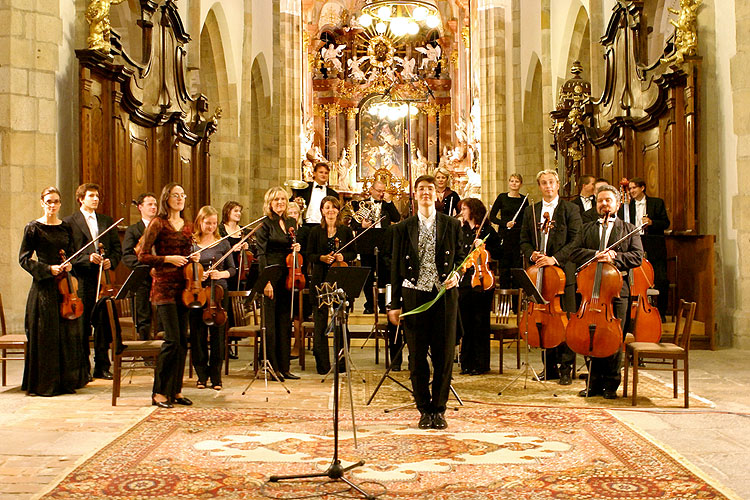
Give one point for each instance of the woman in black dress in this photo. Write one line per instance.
(475, 304)
(322, 251)
(447, 199)
(508, 205)
(54, 363)
(231, 214)
(274, 243)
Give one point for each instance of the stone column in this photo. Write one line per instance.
(288, 68)
(30, 36)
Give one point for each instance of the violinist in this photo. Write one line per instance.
(322, 251)
(507, 205)
(475, 303)
(170, 237)
(427, 248)
(447, 199)
(274, 245)
(53, 363)
(86, 225)
(207, 361)
(605, 372)
(231, 214)
(147, 206)
(561, 241)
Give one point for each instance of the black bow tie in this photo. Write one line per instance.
(317, 186)
(378, 202)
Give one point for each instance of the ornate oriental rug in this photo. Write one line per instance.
(499, 452)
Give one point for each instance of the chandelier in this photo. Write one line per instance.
(399, 17)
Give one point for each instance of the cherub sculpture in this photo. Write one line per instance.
(685, 35)
(354, 70)
(407, 71)
(431, 55)
(331, 55)
(97, 15)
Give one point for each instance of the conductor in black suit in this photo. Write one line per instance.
(86, 225)
(561, 241)
(426, 249)
(375, 237)
(653, 212)
(147, 206)
(314, 193)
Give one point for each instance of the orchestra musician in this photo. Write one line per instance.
(86, 225)
(314, 193)
(170, 238)
(652, 211)
(147, 206)
(426, 248)
(561, 241)
(375, 237)
(447, 199)
(322, 252)
(274, 244)
(508, 205)
(231, 214)
(591, 215)
(53, 363)
(586, 199)
(207, 342)
(475, 303)
(605, 372)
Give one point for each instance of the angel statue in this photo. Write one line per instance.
(354, 70)
(331, 55)
(97, 15)
(419, 164)
(408, 73)
(431, 55)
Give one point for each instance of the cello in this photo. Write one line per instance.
(71, 306)
(214, 314)
(594, 330)
(545, 323)
(646, 318)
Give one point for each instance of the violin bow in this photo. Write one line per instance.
(92, 242)
(228, 253)
(592, 259)
(238, 230)
(360, 234)
(519, 209)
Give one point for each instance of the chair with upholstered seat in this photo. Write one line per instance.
(655, 355)
(502, 328)
(246, 325)
(15, 343)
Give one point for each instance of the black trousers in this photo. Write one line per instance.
(395, 341)
(142, 308)
(278, 322)
(433, 332)
(87, 281)
(170, 365)
(369, 260)
(207, 345)
(474, 306)
(605, 372)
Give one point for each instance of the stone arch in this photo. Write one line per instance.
(531, 156)
(263, 163)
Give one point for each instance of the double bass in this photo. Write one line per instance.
(594, 330)
(545, 323)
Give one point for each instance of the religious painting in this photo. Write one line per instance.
(381, 133)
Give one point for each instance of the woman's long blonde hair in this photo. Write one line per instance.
(205, 211)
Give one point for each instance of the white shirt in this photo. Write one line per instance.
(145, 222)
(610, 226)
(428, 221)
(90, 218)
(313, 208)
(586, 201)
(548, 207)
(640, 212)
(377, 208)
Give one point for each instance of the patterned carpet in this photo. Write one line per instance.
(488, 452)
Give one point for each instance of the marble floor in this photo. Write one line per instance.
(42, 439)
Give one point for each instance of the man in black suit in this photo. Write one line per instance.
(605, 372)
(426, 248)
(561, 241)
(147, 206)
(374, 238)
(86, 225)
(586, 200)
(653, 212)
(591, 214)
(314, 193)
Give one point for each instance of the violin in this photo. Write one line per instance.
(482, 276)
(194, 295)
(71, 306)
(214, 314)
(107, 288)
(594, 330)
(295, 280)
(646, 318)
(337, 263)
(545, 323)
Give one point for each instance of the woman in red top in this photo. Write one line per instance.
(170, 238)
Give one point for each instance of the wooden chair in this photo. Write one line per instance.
(136, 349)
(502, 328)
(16, 343)
(654, 356)
(246, 325)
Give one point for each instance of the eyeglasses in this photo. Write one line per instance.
(178, 196)
(52, 203)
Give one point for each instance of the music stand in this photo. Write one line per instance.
(270, 274)
(530, 294)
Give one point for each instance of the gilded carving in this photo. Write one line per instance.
(97, 15)
(686, 32)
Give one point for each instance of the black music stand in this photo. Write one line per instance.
(530, 294)
(353, 282)
(270, 274)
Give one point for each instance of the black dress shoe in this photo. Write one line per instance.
(183, 401)
(396, 368)
(425, 421)
(368, 310)
(106, 374)
(438, 421)
(161, 404)
(609, 394)
(291, 376)
(465, 371)
(565, 379)
(591, 393)
(549, 376)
